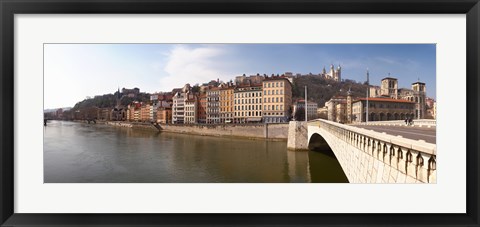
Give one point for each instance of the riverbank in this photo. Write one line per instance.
(250, 131)
(275, 132)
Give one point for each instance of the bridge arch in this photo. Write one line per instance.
(317, 142)
(324, 165)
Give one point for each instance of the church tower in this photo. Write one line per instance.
(389, 87)
(419, 94)
(338, 74)
(118, 98)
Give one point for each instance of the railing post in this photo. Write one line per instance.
(402, 167)
(432, 169)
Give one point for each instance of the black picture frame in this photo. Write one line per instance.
(9, 8)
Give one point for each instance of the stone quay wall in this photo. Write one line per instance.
(253, 131)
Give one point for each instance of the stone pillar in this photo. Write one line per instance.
(297, 136)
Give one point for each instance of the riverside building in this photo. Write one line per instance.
(248, 104)
(277, 99)
(213, 105)
(226, 103)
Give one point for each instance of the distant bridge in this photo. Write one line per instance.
(367, 156)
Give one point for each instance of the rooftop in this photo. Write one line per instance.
(384, 100)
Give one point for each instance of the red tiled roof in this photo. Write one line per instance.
(385, 100)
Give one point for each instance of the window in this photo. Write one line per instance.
(264, 99)
(264, 92)
(276, 100)
(281, 99)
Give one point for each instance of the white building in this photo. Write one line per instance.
(311, 109)
(178, 108)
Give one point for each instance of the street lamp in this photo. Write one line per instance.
(368, 88)
(306, 110)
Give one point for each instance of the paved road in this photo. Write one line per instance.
(416, 133)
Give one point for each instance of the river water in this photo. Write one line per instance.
(95, 153)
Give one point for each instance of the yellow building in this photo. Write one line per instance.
(226, 104)
(277, 99)
(164, 115)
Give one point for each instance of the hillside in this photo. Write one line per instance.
(321, 90)
(109, 101)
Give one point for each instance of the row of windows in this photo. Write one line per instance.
(388, 106)
(226, 109)
(248, 101)
(248, 114)
(273, 84)
(209, 93)
(255, 114)
(248, 94)
(257, 107)
(226, 98)
(273, 92)
(273, 107)
(276, 99)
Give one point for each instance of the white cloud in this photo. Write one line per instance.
(193, 65)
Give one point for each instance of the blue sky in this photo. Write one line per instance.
(74, 71)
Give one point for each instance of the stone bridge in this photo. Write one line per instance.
(371, 157)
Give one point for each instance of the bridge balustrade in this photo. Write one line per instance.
(413, 158)
(416, 122)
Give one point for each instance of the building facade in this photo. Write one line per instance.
(226, 104)
(202, 108)
(191, 109)
(178, 108)
(247, 104)
(277, 100)
(311, 109)
(213, 105)
(382, 109)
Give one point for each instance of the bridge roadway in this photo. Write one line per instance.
(416, 133)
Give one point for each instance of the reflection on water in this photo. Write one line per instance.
(76, 152)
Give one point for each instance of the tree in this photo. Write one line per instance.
(300, 114)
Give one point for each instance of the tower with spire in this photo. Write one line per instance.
(118, 99)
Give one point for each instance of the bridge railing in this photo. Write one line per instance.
(415, 158)
(417, 123)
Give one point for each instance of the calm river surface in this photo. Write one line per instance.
(89, 153)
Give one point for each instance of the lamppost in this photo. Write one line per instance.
(368, 88)
(306, 104)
